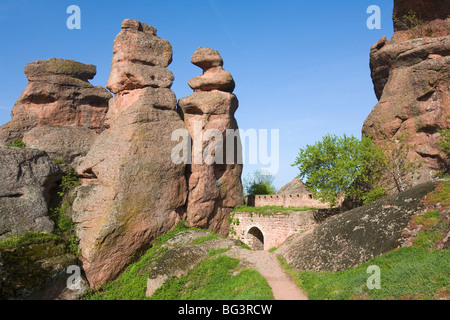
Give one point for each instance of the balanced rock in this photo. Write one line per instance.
(412, 82)
(214, 76)
(58, 94)
(132, 191)
(215, 187)
(26, 181)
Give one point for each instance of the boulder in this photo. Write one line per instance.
(182, 255)
(215, 187)
(132, 191)
(58, 94)
(27, 177)
(356, 236)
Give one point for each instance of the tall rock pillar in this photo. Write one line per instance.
(215, 187)
(132, 191)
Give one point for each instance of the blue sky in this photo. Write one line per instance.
(300, 66)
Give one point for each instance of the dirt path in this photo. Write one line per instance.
(283, 287)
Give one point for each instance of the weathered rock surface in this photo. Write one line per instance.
(58, 94)
(346, 240)
(26, 179)
(412, 82)
(295, 186)
(133, 192)
(64, 144)
(182, 256)
(215, 187)
(434, 14)
(36, 272)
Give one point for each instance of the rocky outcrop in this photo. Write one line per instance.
(27, 177)
(215, 187)
(295, 186)
(58, 94)
(356, 236)
(65, 145)
(37, 271)
(434, 14)
(182, 255)
(132, 191)
(412, 82)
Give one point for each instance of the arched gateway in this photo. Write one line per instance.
(255, 239)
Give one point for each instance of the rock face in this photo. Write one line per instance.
(349, 239)
(434, 14)
(412, 82)
(66, 145)
(26, 179)
(36, 271)
(58, 94)
(295, 186)
(215, 187)
(133, 192)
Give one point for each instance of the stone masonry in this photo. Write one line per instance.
(265, 231)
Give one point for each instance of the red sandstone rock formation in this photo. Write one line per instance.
(58, 94)
(434, 14)
(135, 192)
(214, 189)
(412, 82)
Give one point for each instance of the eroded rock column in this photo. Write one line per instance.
(132, 191)
(215, 187)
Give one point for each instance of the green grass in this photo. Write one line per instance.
(205, 238)
(26, 240)
(132, 283)
(412, 273)
(417, 272)
(268, 210)
(213, 280)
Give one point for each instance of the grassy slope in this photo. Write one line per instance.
(417, 272)
(211, 280)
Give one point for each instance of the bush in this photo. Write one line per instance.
(17, 143)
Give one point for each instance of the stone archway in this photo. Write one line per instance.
(255, 239)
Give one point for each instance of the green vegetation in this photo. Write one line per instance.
(205, 239)
(418, 272)
(345, 166)
(17, 143)
(407, 273)
(261, 183)
(26, 240)
(341, 165)
(68, 182)
(58, 161)
(410, 22)
(213, 280)
(273, 249)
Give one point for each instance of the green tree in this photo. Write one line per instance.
(260, 183)
(410, 22)
(338, 166)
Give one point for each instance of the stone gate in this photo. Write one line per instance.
(263, 231)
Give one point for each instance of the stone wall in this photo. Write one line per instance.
(263, 232)
(298, 200)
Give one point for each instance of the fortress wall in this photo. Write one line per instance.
(276, 228)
